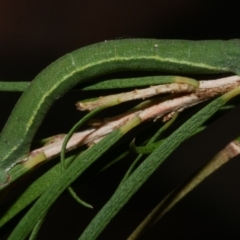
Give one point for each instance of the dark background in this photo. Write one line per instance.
(35, 33)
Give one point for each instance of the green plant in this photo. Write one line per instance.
(180, 59)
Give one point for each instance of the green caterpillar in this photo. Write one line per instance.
(173, 56)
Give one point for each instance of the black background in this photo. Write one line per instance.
(35, 33)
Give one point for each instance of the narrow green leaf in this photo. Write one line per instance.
(145, 169)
